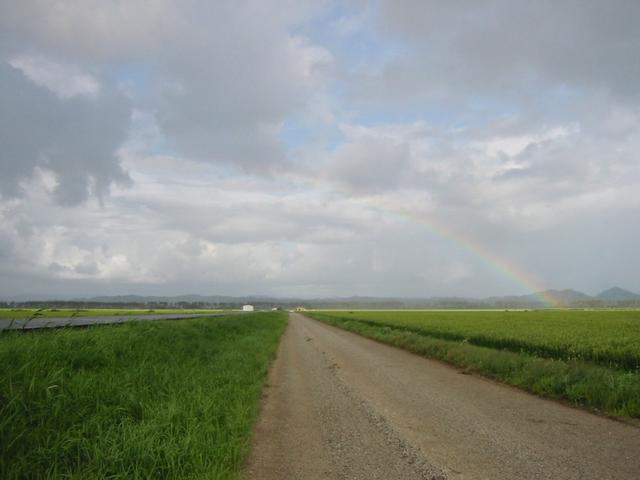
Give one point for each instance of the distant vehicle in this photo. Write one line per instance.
(247, 308)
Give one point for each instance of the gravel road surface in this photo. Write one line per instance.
(53, 322)
(340, 406)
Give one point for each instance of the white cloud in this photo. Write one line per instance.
(66, 81)
(516, 144)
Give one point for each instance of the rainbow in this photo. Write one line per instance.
(502, 266)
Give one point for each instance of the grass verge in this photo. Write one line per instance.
(140, 400)
(607, 390)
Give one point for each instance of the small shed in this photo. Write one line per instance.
(247, 308)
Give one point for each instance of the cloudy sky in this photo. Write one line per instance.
(319, 148)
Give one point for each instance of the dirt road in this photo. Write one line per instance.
(339, 406)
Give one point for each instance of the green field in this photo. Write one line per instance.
(138, 400)
(24, 313)
(590, 358)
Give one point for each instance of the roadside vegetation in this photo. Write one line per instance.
(137, 400)
(589, 358)
(27, 313)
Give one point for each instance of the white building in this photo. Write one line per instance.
(247, 308)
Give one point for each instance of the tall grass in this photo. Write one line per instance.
(614, 391)
(139, 400)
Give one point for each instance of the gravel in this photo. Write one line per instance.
(339, 406)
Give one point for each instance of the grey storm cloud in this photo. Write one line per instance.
(224, 75)
(225, 100)
(491, 46)
(73, 138)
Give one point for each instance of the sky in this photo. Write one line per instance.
(408, 148)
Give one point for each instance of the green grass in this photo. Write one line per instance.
(25, 313)
(607, 337)
(589, 358)
(141, 400)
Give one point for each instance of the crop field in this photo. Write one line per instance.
(137, 400)
(25, 313)
(590, 358)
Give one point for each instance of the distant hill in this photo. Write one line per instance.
(617, 294)
(539, 299)
(177, 299)
(613, 297)
(568, 296)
